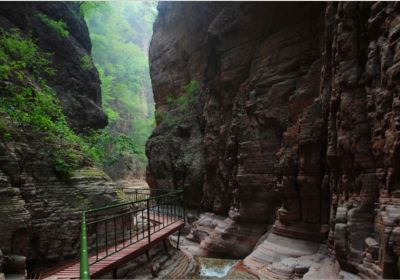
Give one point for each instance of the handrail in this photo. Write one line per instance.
(172, 207)
(126, 203)
(148, 189)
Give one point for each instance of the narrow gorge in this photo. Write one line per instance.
(267, 133)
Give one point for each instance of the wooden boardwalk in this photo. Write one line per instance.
(122, 255)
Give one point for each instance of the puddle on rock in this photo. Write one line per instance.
(209, 268)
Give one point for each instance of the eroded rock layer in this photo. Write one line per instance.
(298, 125)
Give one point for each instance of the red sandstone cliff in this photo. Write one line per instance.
(295, 125)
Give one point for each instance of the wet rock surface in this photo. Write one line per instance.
(298, 127)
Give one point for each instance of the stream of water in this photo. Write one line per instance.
(213, 268)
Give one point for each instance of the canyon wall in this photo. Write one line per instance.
(178, 56)
(40, 211)
(294, 129)
(78, 88)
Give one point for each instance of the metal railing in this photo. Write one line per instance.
(136, 194)
(108, 230)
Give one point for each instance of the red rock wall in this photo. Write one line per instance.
(177, 56)
(362, 135)
(299, 124)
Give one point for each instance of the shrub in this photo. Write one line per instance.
(192, 87)
(18, 55)
(181, 105)
(86, 62)
(39, 111)
(59, 26)
(169, 118)
(187, 99)
(108, 147)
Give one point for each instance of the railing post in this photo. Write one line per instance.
(184, 205)
(84, 254)
(148, 219)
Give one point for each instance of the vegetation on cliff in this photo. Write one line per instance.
(120, 33)
(181, 106)
(57, 25)
(30, 105)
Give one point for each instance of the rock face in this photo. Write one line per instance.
(281, 257)
(77, 86)
(298, 126)
(178, 56)
(41, 211)
(218, 235)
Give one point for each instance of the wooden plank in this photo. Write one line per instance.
(109, 263)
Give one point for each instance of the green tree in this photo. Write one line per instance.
(120, 33)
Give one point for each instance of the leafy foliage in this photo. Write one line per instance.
(30, 105)
(187, 99)
(87, 7)
(18, 54)
(118, 146)
(120, 33)
(180, 106)
(86, 62)
(59, 26)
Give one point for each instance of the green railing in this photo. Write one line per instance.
(136, 194)
(109, 229)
